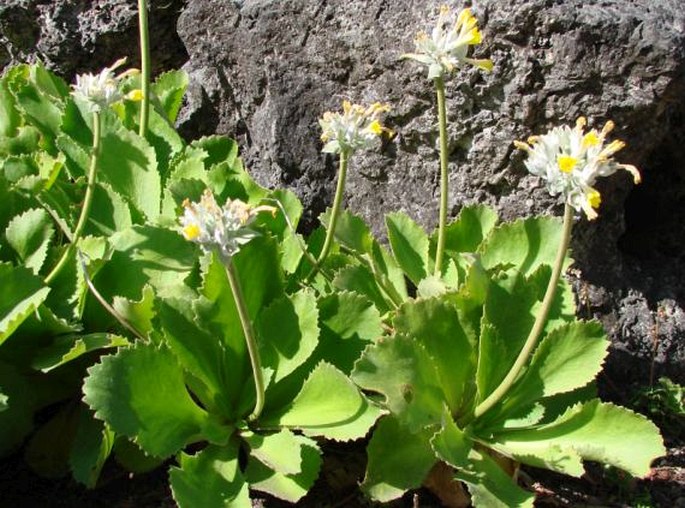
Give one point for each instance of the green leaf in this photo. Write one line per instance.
(140, 392)
(351, 231)
(21, 292)
(490, 486)
(66, 348)
(279, 451)
(138, 313)
(435, 324)
(409, 244)
(467, 231)
(92, 446)
(346, 416)
(29, 235)
(110, 214)
(169, 88)
(290, 487)
(525, 244)
(129, 164)
(592, 431)
(402, 371)
(398, 460)
(47, 455)
(359, 279)
(3, 402)
(10, 119)
(451, 444)
(132, 458)
(212, 477)
(569, 357)
(288, 332)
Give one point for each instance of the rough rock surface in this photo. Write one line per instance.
(264, 71)
(74, 36)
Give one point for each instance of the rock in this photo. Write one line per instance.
(71, 37)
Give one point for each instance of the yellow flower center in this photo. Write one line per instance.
(376, 128)
(590, 139)
(566, 163)
(191, 231)
(594, 199)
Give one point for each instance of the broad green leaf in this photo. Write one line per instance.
(401, 369)
(451, 444)
(409, 244)
(48, 449)
(595, 431)
(524, 244)
(26, 141)
(385, 267)
(110, 214)
(66, 348)
(140, 392)
(169, 88)
(3, 402)
(279, 451)
(129, 164)
(398, 460)
(218, 148)
(431, 287)
(569, 357)
(287, 203)
(21, 292)
(210, 478)
(132, 458)
(288, 332)
(92, 446)
(9, 116)
(359, 279)
(138, 313)
(290, 487)
(351, 231)
(347, 415)
(29, 234)
(467, 231)
(490, 486)
(435, 324)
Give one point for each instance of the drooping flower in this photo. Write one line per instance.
(224, 229)
(570, 161)
(102, 90)
(356, 128)
(447, 46)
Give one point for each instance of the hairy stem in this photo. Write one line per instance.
(442, 126)
(145, 67)
(335, 212)
(87, 202)
(540, 320)
(250, 340)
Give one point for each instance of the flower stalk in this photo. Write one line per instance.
(335, 212)
(540, 320)
(250, 340)
(444, 176)
(144, 67)
(87, 202)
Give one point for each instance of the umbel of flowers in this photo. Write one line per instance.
(570, 160)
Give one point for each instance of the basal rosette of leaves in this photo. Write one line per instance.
(452, 344)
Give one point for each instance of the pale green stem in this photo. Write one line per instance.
(144, 67)
(335, 212)
(250, 340)
(87, 202)
(540, 320)
(444, 184)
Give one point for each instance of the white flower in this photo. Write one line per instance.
(446, 48)
(225, 228)
(102, 89)
(570, 160)
(356, 128)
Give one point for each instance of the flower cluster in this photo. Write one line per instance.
(446, 48)
(102, 89)
(224, 229)
(356, 128)
(570, 160)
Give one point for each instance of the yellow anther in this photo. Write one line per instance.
(591, 139)
(376, 127)
(135, 95)
(522, 146)
(191, 231)
(566, 163)
(581, 122)
(474, 36)
(594, 198)
(608, 127)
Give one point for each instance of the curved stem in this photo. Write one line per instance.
(248, 331)
(144, 67)
(335, 212)
(444, 184)
(87, 202)
(540, 320)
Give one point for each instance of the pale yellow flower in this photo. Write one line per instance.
(102, 90)
(356, 128)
